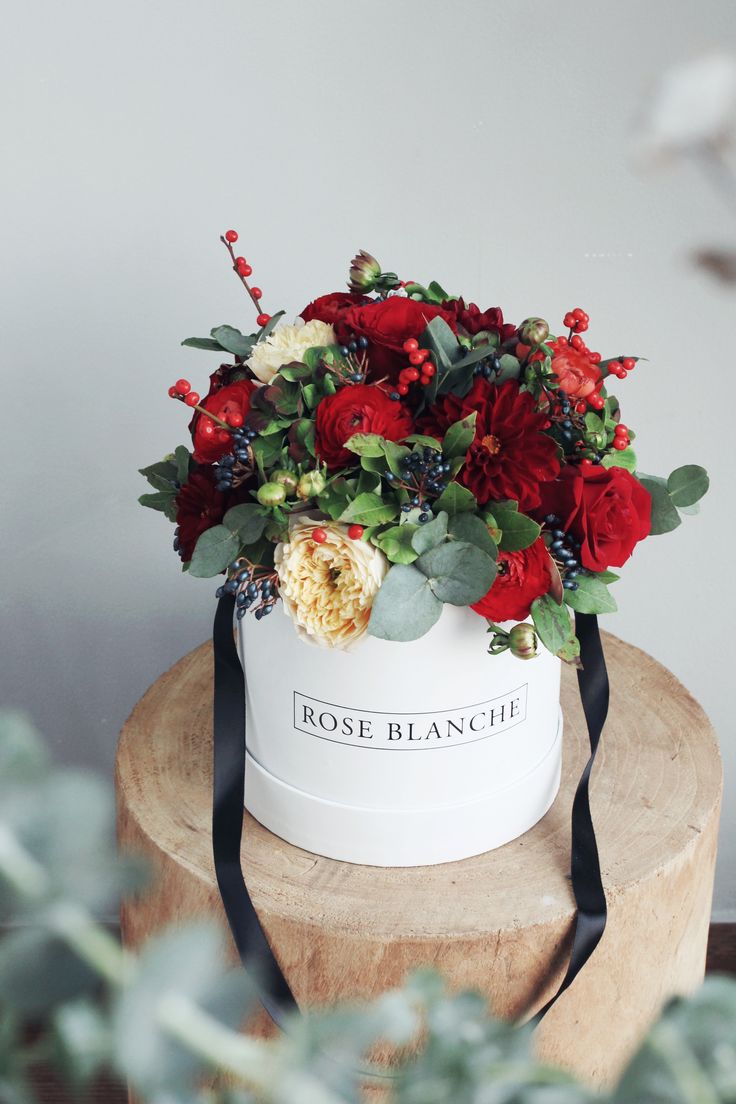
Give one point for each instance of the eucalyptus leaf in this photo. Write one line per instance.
(405, 607)
(665, 517)
(247, 521)
(472, 530)
(430, 534)
(458, 573)
(214, 550)
(369, 509)
(204, 343)
(688, 484)
(233, 340)
(510, 368)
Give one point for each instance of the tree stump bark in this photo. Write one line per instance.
(500, 922)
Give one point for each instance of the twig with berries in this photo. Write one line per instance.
(243, 270)
(422, 475)
(419, 370)
(254, 586)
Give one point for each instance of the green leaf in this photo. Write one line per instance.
(442, 343)
(214, 550)
(366, 444)
(394, 455)
(335, 498)
(163, 475)
(688, 484)
(247, 521)
(593, 423)
(458, 573)
(267, 451)
(161, 500)
(430, 534)
(295, 371)
(268, 328)
(517, 530)
(425, 441)
(456, 499)
(626, 458)
(607, 576)
(396, 543)
(592, 596)
(233, 340)
(459, 436)
(470, 529)
(405, 607)
(369, 509)
(665, 517)
(312, 395)
(553, 624)
(368, 483)
(204, 343)
(182, 456)
(510, 368)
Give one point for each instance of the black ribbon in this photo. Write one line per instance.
(227, 816)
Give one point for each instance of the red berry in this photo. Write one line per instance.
(428, 369)
(569, 320)
(319, 535)
(240, 261)
(596, 402)
(183, 386)
(411, 375)
(577, 342)
(235, 419)
(620, 442)
(173, 393)
(192, 398)
(263, 319)
(402, 388)
(580, 408)
(245, 270)
(355, 532)
(621, 430)
(410, 345)
(416, 357)
(621, 372)
(256, 293)
(424, 380)
(231, 236)
(586, 462)
(424, 353)
(580, 314)
(595, 357)
(629, 363)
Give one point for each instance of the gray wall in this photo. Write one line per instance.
(481, 143)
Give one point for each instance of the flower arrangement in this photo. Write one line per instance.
(398, 448)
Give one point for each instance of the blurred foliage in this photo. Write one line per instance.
(166, 1020)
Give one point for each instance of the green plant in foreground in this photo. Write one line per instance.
(166, 1020)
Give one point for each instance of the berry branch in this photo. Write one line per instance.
(242, 270)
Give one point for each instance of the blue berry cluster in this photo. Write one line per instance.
(488, 367)
(224, 470)
(353, 346)
(566, 427)
(566, 551)
(423, 474)
(249, 591)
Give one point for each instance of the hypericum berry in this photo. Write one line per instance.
(263, 319)
(586, 462)
(621, 430)
(183, 387)
(355, 532)
(173, 393)
(235, 419)
(231, 236)
(319, 535)
(596, 401)
(192, 398)
(595, 357)
(410, 345)
(424, 380)
(629, 363)
(402, 388)
(577, 342)
(256, 293)
(620, 443)
(411, 375)
(428, 368)
(416, 357)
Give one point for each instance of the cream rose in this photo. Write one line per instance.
(328, 588)
(286, 344)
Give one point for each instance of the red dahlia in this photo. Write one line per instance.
(198, 507)
(361, 408)
(510, 455)
(522, 577)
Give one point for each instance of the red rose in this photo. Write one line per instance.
(510, 455)
(522, 577)
(357, 409)
(606, 509)
(387, 323)
(577, 374)
(473, 319)
(328, 308)
(210, 440)
(198, 507)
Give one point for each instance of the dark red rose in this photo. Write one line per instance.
(472, 319)
(357, 409)
(328, 308)
(510, 455)
(387, 323)
(606, 509)
(210, 440)
(198, 507)
(522, 577)
(578, 376)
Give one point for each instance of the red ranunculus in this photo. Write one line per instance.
(522, 577)
(359, 408)
(606, 509)
(473, 319)
(198, 507)
(328, 308)
(210, 440)
(510, 456)
(578, 376)
(387, 323)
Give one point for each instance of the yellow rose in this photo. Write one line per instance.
(287, 344)
(328, 588)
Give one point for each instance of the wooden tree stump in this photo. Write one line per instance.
(501, 922)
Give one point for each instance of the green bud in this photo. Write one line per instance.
(311, 483)
(523, 641)
(533, 331)
(271, 494)
(286, 479)
(364, 272)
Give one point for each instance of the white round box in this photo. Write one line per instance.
(398, 754)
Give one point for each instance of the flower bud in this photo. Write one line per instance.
(533, 331)
(523, 641)
(364, 272)
(311, 483)
(271, 494)
(286, 479)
